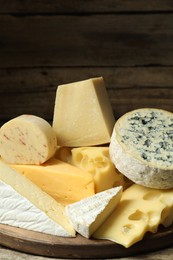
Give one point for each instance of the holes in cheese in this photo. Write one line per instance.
(27, 139)
(135, 215)
(88, 214)
(83, 115)
(96, 161)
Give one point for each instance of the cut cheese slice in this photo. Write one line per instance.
(141, 147)
(65, 183)
(96, 161)
(88, 214)
(40, 211)
(83, 115)
(141, 209)
(27, 139)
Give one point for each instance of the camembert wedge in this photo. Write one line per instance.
(88, 214)
(22, 201)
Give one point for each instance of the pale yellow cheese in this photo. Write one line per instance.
(83, 115)
(64, 182)
(96, 161)
(27, 139)
(141, 209)
(54, 210)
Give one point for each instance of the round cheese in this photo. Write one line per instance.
(141, 147)
(27, 139)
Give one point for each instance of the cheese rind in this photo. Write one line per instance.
(19, 212)
(141, 209)
(27, 139)
(96, 161)
(65, 183)
(54, 210)
(83, 115)
(141, 147)
(88, 214)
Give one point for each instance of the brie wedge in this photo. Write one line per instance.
(88, 214)
(24, 205)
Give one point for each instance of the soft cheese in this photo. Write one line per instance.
(64, 182)
(18, 211)
(83, 115)
(88, 214)
(23, 204)
(27, 139)
(141, 209)
(96, 161)
(141, 147)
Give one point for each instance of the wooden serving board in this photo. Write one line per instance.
(79, 247)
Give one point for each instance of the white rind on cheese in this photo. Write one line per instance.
(88, 214)
(19, 212)
(27, 139)
(54, 210)
(141, 147)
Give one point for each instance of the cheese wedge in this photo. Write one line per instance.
(65, 183)
(140, 210)
(83, 115)
(141, 147)
(27, 139)
(96, 161)
(23, 204)
(88, 214)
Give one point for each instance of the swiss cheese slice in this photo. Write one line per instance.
(64, 182)
(25, 205)
(96, 161)
(88, 214)
(141, 209)
(27, 139)
(83, 115)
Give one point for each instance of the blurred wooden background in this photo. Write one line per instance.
(47, 43)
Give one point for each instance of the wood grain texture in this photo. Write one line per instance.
(91, 40)
(32, 91)
(83, 6)
(80, 247)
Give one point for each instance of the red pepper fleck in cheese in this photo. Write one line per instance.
(27, 139)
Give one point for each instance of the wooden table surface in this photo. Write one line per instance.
(5, 253)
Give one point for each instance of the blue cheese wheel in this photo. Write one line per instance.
(27, 139)
(141, 147)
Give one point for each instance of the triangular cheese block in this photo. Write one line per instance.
(24, 205)
(88, 214)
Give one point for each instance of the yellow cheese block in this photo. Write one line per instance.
(96, 161)
(64, 182)
(141, 209)
(46, 206)
(83, 115)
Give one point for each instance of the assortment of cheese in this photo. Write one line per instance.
(86, 173)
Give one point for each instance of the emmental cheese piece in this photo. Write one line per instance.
(96, 161)
(141, 209)
(88, 214)
(141, 147)
(24, 205)
(65, 183)
(83, 115)
(27, 139)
